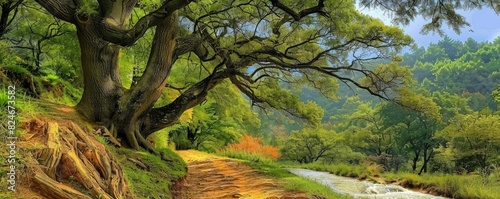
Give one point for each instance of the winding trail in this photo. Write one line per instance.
(214, 177)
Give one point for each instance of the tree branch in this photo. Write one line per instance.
(297, 16)
(62, 9)
(159, 118)
(7, 8)
(115, 34)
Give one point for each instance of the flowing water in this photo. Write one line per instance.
(360, 189)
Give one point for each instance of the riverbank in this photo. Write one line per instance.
(447, 185)
(360, 188)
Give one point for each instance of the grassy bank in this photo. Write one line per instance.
(289, 181)
(155, 179)
(454, 186)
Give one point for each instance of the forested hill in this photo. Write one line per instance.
(469, 69)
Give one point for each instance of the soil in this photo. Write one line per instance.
(213, 177)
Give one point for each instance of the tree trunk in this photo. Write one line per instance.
(104, 99)
(415, 160)
(102, 86)
(129, 114)
(427, 157)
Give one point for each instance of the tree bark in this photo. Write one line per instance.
(102, 85)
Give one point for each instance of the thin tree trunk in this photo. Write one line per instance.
(427, 157)
(415, 160)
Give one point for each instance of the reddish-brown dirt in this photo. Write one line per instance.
(213, 177)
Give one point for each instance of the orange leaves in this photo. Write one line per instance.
(271, 152)
(254, 145)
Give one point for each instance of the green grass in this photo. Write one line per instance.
(243, 155)
(70, 94)
(455, 186)
(5, 193)
(157, 180)
(17, 69)
(289, 181)
(295, 183)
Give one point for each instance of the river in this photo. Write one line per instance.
(360, 189)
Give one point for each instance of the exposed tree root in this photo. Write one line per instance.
(70, 163)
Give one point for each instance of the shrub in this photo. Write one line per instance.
(254, 145)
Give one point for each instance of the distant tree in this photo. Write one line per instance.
(433, 54)
(470, 45)
(215, 123)
(415, 124)
(409, 59)
(450, 105)
(496, 96)
(365, 130)
(473, 140)
(34, 38)
(451, 47)
(310, 144)
(205, 130)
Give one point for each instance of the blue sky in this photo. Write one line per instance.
(485, 26)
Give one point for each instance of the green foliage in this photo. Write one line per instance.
(496, 96)
(414, 127)
(60, 90)
(474, 141)
(365, 132)
(88, 8)
(209, 129)
(44, 44)
(310, 144)
(388, 79)
(283, 99)
(467, 69)
(450, 105)
(17, 69)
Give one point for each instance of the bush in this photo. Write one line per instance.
(253, 145)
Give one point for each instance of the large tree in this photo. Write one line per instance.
(255, 44)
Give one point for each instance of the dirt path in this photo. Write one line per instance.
(214, 177)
